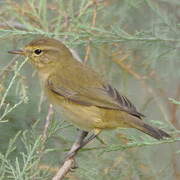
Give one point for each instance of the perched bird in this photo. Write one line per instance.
(81, 94)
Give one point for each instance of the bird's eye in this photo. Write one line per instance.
(37, 51)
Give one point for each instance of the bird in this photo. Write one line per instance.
(85, 98)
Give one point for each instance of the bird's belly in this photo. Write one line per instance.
(88, 117)
(84, 117)
(91, 117)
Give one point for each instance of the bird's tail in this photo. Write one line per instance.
(150, 130)
(154, 132)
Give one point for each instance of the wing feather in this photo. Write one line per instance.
(104, 96)
(123, 101)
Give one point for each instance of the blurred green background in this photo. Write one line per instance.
(134, 44)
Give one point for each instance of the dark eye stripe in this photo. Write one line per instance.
(38, 51)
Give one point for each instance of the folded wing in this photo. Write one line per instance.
(100, 95)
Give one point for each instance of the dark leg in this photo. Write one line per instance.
(81, 142)
(77, 144)
(87, 140)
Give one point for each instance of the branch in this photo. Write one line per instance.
(69, 162)
(65, 168)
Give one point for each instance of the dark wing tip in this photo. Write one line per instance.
(123, 101)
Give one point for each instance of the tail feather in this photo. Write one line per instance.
(148, 129)
(154, 132)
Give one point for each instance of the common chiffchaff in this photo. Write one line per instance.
(88, 101)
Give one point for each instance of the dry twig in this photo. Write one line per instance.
(48, 119)
(88, 48)
(69, 162)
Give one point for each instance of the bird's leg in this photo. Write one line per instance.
(82, 142)
(77, 144)
(87, 140)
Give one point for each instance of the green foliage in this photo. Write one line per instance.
(134, 44)
(174, 101)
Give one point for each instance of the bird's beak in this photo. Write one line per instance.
(20, 52)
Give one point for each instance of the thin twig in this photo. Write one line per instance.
(13, 25)
(88, 48)
(173, 109)
(12, 82)
(44, 136)
(48, 119)
(66, 167)
(41, 101)
(8, 67)
(127, 68)
(69, 162)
